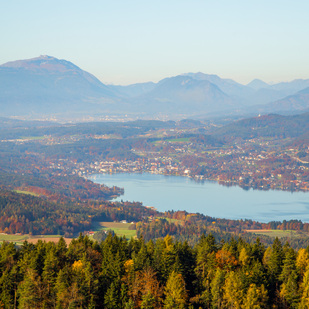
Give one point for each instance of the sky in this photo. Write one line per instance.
(125, 42)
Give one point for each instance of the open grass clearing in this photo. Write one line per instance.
(26, 192)
(119, 228)
(179, 140)
(19, 239)
(13, 238)
(107, 136)
(275, 233)
(171, 220)
(33, 137)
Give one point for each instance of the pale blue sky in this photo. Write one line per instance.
(123, 42)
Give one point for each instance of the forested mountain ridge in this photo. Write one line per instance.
(296, 102)
(272, 125)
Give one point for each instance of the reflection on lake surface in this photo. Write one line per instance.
(209, 198)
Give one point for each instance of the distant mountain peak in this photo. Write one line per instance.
(46, 57)
(47, 86)
(228, 86)
(21, 63)
(43, 62)
(257, 84)
(200, 75)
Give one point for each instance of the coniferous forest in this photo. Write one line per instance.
(117, 273)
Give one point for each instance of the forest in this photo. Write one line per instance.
(121, 273)
(189, 227)
(27, 214)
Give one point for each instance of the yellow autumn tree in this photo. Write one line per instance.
(304, 290)
(256, 297)
(233, 291)
(175, 292)
(302, 260)
(244, 258)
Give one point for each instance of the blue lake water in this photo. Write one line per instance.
(209, 198)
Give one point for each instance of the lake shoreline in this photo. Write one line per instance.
(201, 179)
(165, 192)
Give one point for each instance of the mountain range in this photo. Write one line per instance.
(46, 87)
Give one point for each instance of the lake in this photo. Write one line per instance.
(209, 198)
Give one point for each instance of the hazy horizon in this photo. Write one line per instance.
(124, 43)
(163, 77)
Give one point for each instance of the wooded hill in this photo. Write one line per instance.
(34, 215)
(271, 125)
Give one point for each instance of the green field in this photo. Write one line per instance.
(275, 233)
(26, 192)
(13, 238)
(19, 239)
(170, 220)
(179, 140)
(119, 228)
(172, 140)
(32, 137)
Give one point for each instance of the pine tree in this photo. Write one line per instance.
(276, 259)
(175, 292)
(32, 292)
(61, 251)
(205, 258)
(148, 301)
(258, 250)
(67, 290)
(304, 290)
(233, 291)
(302, 261)
(244, 257)
(112, 297)
(9, 274)
(273, 260)
(50, 270)
(289, 266)
(164, 258)
(289, 293)
(256, 298)
(8, 288)
(289, 287)
(257, 273)
(142, 258)
(217, 288)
